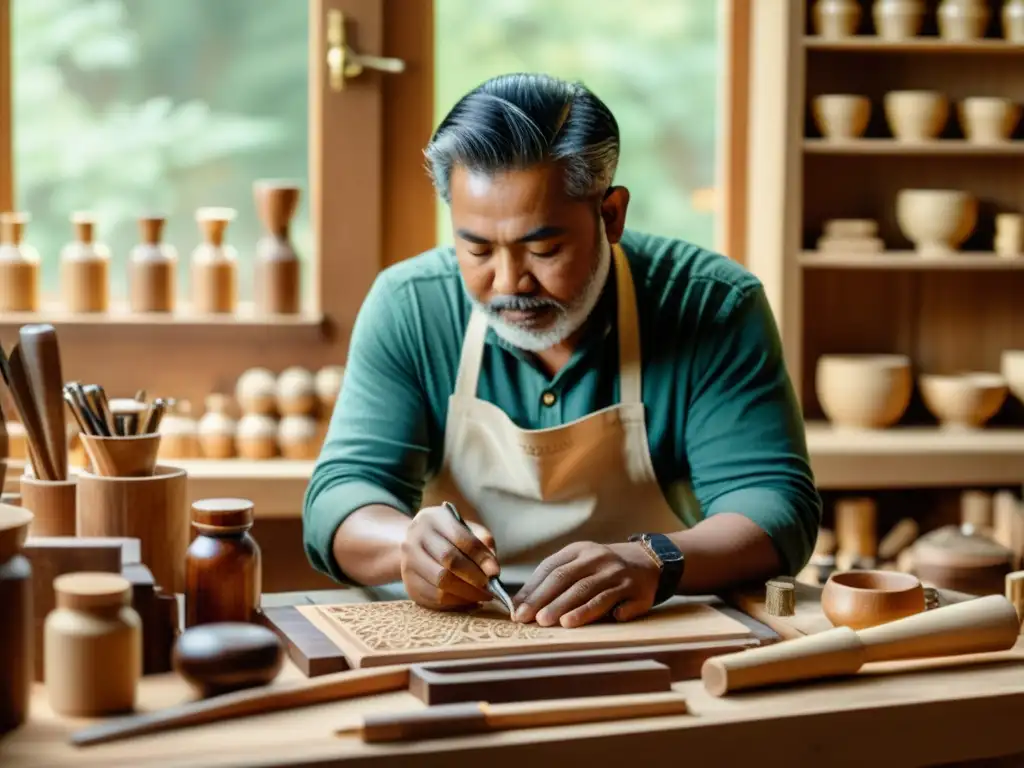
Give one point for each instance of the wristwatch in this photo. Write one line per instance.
(669, 559)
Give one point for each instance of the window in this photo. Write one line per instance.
(128, 108)
(655, 63)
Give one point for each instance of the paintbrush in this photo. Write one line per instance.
(96, 425)
(495, 587)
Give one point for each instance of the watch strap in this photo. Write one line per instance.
(669, 559)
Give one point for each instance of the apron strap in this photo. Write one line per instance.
(472, 355)
(630, 384)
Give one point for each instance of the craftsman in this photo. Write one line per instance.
(610, 406)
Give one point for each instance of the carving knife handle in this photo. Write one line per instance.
(494, 583)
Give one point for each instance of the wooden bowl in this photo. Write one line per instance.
(860, 599)
(14, 525)
(988, 119)
(229, 656)
(864, 391)
(964, 400)
(937, 221)
(916, 115)
(841, 116)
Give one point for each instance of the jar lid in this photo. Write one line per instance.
(222, 515)
(86, 589)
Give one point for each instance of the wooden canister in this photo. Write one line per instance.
(152, 270)
(92, 646)
(223, 565)
(19, 266)
(152, 509)
(52, 502)
(214, 265)
(16, 622)
(85, 270)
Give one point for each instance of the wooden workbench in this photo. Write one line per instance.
(893, 714)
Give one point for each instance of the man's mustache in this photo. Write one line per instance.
(521, 304)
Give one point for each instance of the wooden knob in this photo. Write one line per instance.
(780, 598)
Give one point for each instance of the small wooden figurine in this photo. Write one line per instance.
(19, 266)
(152, 270)
(214, 265)
(278, 271)
(85, 268)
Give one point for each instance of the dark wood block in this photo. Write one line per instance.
(448, 685)
(308, 648)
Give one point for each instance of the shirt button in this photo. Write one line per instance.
(548, 398)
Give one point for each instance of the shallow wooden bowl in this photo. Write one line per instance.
(965, 400)
(860, 599)
(14, 524)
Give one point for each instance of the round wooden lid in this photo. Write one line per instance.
(92, 590)
(953, 547)
(222, 515)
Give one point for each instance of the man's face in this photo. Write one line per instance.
(532, 258)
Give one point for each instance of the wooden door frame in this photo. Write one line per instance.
(733, 144)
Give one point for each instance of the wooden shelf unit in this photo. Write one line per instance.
(949, 314)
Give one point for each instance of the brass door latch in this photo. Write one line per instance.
(343, 62)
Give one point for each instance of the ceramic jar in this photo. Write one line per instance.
(92, 646)
(17, 622)
(217, 429)
(223, 576)
(898, 19)
(836, 19)
(278, 273)
(963, 19)
(214, 265)
(85, 269)
(257, 436)
(1013, 21)
(19, 266)
(152, 270)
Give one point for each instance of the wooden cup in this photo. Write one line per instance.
(53, 504)
(152, 509)
(132, 456)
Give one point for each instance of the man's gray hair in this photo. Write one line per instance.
(515, 121)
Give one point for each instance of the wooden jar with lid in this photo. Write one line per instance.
(278, 274)
(223, 564)
(85, 269)
(152, 270)
(92, 646)
(217, 429)
(959, 559)
(19, 266)
(214, 265)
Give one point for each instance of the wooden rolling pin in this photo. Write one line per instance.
(975, 626)
(465, 718)
(254, 701)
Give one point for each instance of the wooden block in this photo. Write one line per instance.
(399, 632)
(447, 685)
(308, 648)
(53, 556)
(159, 625)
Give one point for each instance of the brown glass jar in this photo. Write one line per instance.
(223, 568)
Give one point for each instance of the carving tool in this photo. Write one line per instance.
(494, 584)
(40, 353)
(153, 418)
(96, 424)
(21, 389)
(253, 701)
(447, 720)
(97, 399)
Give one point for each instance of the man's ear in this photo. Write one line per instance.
(613, 212)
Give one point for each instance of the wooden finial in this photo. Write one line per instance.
(780, 598)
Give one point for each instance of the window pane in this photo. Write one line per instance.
(654, 62)
(122, 107)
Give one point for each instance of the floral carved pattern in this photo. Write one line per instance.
(403, 625)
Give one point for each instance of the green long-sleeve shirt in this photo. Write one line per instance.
(725, 431)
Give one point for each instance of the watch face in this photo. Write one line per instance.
(665, 549)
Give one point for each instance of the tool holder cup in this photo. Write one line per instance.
(125, 493)
(53, 504)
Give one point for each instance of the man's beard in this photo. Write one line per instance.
(568, 317)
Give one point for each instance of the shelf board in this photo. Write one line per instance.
(927, 44)
(939, 147)
(903, 457)
(909, 260)
(119, 314)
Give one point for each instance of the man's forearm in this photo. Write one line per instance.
(725, 550)
(367, 545)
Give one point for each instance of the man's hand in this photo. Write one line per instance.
(444, 566)
(585, 581)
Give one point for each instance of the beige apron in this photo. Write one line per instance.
(539, 490)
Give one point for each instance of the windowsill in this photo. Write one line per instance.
(244, 317)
